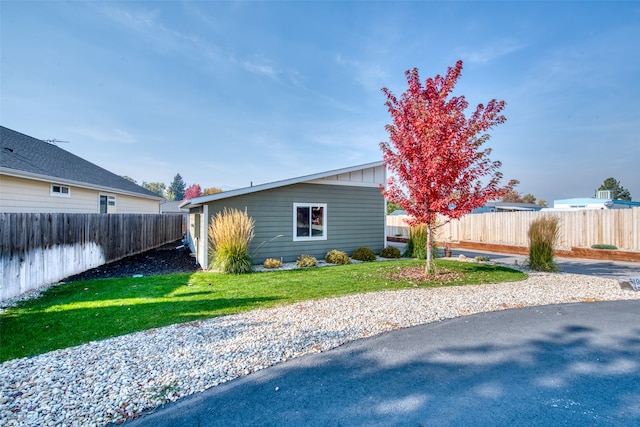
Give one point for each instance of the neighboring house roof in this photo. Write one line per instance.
(330, 177)
(495, 207)
(26, 157)
(507, 207)
(592, 203)
(172, 207)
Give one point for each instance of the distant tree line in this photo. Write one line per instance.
(177, 189)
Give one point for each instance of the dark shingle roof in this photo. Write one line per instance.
(30, 156)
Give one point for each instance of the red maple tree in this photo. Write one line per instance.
(193, 191)
(434, 155)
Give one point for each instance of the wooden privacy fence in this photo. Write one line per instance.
(583, 228)
(38, 249)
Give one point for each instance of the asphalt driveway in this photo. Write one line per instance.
(601, 268)
(569, 365)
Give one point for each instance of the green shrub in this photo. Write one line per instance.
(364, 254)
(417, 244)
(603, 246)
(306, 261)
(230, 233)
(543, 235)
(390, 252)
(337, 257)
(272, 263)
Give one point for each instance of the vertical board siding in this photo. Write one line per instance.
(584, 228)
(355, 218)
(38, 248)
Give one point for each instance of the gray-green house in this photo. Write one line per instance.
(341, 209)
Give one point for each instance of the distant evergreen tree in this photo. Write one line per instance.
(619, 192)
(177, 188)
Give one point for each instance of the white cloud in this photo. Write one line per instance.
(148, 24)
(370, 75)
(492, 51)
(113, 135)
(259, 65)
(142, 21)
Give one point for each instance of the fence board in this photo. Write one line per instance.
(619, 227)
(37, 249)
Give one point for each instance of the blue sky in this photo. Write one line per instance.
(229, 93)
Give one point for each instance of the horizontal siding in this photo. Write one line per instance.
(129, 204)
(355, 218)
(19, 195)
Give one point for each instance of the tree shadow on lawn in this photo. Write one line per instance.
(534, 366)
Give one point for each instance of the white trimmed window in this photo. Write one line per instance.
(107, 203)
(60, 190)
(309, 221)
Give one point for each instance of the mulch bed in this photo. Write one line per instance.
(167, 259)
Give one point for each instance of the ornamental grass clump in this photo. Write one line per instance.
(417, 244)
(543, 236)
(230, 233)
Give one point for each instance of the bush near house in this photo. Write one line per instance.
(390, 252)
(272, 263)
(603, 246)
(364, 254)
(230, 233)
(543, 235)
(306, 261)
(337, 257)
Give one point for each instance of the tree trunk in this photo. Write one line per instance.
(428, 267)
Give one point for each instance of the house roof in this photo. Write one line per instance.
(172, 207)
(594, 201)
(26, 157)
(328, 177)
(514, 206)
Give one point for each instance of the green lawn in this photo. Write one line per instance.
(78, 312)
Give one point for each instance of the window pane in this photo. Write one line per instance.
(317, 226)
(111, 204)
(309, 222)
(103, 204)
(302, 227)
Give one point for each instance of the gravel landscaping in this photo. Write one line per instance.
(111, 380)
